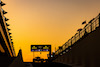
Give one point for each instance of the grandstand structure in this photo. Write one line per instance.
(6, 44)
(89, 27)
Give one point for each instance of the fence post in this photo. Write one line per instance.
(85, 29)
(79, 30)
(71, 41)
(91, 27)
(75, 37)
(79, 34)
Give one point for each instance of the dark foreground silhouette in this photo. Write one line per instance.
(50, 64)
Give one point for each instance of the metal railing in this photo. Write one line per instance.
(88, 28)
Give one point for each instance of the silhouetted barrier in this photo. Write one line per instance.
(90, 27)
(85, 52)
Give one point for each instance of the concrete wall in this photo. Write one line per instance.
(85, 53)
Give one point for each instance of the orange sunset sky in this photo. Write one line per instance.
(46, 22)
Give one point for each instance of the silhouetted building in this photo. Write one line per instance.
(7, 52)
(6, 44)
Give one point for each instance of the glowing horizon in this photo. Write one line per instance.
(46, 22)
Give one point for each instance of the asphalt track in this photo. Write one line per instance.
(50, 64)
